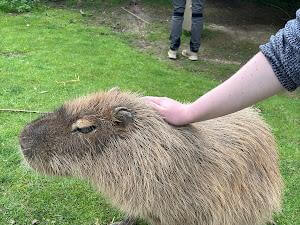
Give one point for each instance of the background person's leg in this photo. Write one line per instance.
(197, 24)
(177, 19)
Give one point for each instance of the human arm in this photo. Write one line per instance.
(254, 82)
(277, 66)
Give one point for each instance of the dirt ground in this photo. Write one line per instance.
(232, 32)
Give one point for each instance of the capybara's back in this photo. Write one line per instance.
(218, 172)
(225, 172)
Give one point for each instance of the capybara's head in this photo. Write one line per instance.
(71, 137)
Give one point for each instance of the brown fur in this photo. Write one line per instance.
(218, 172)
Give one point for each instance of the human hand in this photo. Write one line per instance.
(172, 111)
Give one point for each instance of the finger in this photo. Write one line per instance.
(152, 99)
(157, 108)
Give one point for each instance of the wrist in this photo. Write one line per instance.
(197, 111)
(188, 114)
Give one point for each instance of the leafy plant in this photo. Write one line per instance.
(17, 6)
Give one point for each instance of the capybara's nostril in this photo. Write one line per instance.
(23, 139)
(24, 143)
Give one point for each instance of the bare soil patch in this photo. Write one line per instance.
(234, 27)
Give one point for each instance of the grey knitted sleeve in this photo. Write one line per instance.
(283, 53)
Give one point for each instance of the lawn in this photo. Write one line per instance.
(52, 55)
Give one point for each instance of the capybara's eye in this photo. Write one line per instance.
(85, 130)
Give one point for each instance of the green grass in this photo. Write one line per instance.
(47, 57)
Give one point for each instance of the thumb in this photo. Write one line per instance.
(157, 107)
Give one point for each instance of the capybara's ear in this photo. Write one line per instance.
(123, 115)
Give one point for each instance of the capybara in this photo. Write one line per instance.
(222, 171)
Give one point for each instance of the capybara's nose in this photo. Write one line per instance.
(36, 131)
(28, 137)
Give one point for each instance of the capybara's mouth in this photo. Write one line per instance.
(25, 145)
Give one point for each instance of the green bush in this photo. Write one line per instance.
(17, 6)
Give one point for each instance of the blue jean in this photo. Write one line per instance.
(197, 24)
